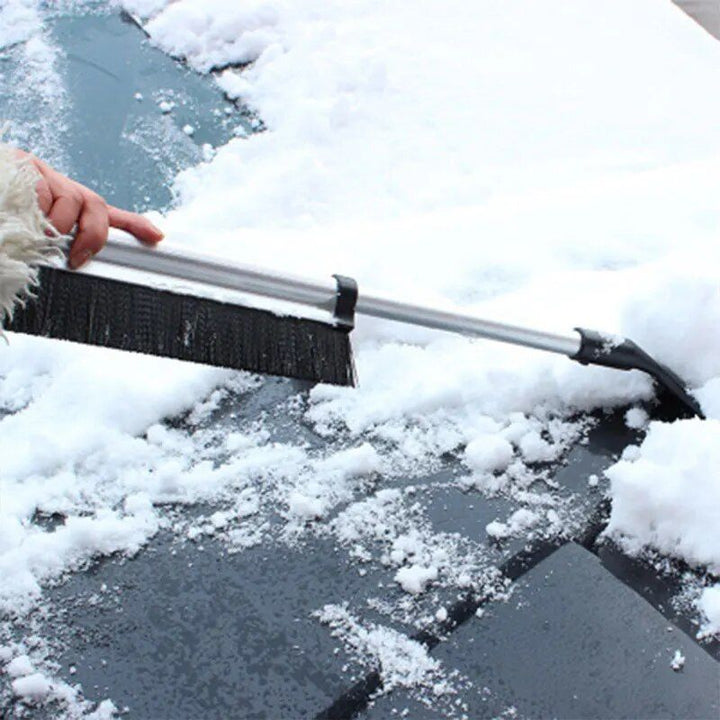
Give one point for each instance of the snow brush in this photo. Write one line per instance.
(89, 307)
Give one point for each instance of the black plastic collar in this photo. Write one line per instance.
(347, 295)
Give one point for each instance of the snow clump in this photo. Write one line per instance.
(520, 521)
(488, 453)
(678, 661)
(415, 578)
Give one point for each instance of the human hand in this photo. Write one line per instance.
(68, 204)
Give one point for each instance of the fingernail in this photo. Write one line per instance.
(80, 259)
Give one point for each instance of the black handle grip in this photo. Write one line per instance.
(624, 354)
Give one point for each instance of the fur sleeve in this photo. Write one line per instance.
(27, 239)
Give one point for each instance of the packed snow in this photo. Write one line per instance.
(667, 496)
(501, 163)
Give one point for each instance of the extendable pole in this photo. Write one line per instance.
(339, 296)
(322, 295)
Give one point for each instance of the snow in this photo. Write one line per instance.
(32, 688)
(212, 34)
(534, 448)
(19, 667)
(488, 453)
(637, 418)
(709, 605)
(520, 521)
(38, 93)
(332, 481)
(414, 578)
(678, 661)
(19, 20)
(402, 662)
(667, 496)
(305, 507)
(106, 710)
(41, 556)
(503, 164)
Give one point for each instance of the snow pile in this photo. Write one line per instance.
(19, 20)
(667, 495)
(637, 418)
(460, 104)
(679, 287)
(212, 34)
(69, 447)
(401, 661)
(31, 683)
(32, 688)
(29, 558)
(19, 667)
(492, 396)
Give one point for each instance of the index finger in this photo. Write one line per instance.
(135, 224)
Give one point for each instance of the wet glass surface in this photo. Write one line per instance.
(93, 97)
(572, 643)
(190, 628)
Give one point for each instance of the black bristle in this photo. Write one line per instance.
(127, 316)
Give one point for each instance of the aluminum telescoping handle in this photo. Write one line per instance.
(234, 276)
(467, 325)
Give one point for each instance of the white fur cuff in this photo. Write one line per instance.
(27, 239)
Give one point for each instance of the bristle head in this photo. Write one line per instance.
(127, 316)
